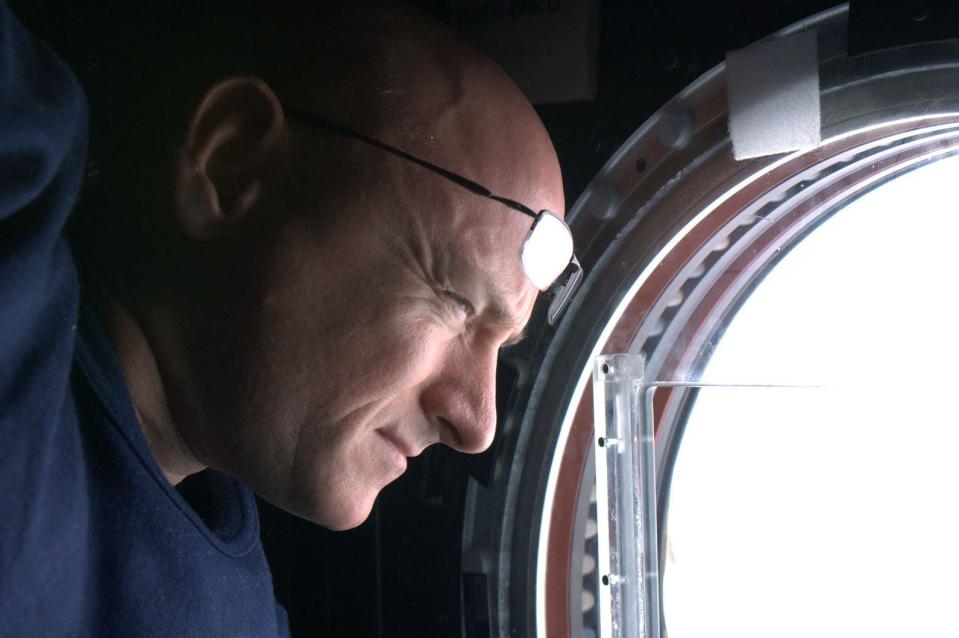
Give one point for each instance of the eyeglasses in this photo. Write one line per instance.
(546, 254)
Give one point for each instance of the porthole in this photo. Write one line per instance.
(673, 252)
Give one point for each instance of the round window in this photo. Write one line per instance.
(827, 267)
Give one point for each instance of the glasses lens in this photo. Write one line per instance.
(547, 250)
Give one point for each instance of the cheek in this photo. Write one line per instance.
(339, 471)
(398, 354)
(369, 359)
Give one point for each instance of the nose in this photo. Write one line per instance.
(461, 397)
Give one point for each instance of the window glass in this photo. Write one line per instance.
(831, 511)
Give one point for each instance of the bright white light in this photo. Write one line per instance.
(831, 513)
(547, 250)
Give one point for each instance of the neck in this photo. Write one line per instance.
(145, 382)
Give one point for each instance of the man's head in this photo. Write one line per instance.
(324, 309)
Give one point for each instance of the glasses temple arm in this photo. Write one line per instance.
(459, 180)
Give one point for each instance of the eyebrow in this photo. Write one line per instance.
(512, 341)
(501, 317)
(495, 309)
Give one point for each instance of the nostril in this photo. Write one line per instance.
(449, 434)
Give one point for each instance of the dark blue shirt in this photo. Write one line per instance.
(93, 540)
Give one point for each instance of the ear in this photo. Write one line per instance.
(235, 139)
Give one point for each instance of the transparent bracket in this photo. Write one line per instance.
(626, 491)
(629, 591)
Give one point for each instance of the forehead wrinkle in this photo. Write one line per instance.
(458, 239)
(508, 302)
(415, 221)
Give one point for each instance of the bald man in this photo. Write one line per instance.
(318, 292)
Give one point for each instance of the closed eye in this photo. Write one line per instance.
(462, 302)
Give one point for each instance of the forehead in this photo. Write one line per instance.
(476, 246)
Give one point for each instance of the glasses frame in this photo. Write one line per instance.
(561, 291)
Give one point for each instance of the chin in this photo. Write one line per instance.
(344, 522)
(345, 511)
(337, 494)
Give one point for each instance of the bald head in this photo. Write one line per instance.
(399, 76)
(387, 70)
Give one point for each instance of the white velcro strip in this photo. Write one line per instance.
(773, 90)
